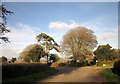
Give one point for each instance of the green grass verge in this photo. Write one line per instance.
(35, 77)
(110, 76)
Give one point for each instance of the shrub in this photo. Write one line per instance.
(116, 67)
(14, 70)
(3, 59)
(79, 63)
(13, 60)
(73, 64)
(82, 62)
(54, 57)
(107, 63)
(55, 64)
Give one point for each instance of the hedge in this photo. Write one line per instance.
(14, 70)
(116, 67)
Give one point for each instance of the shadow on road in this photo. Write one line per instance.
(66, 70)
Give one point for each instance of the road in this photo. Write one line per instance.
(83, 74)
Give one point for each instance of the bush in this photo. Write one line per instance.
(55, 64)
(62, 64)
(107, 63)
(31, 78)
(78, 63)
(116, 67)
(13, 60)
(54, 57)
(82, 62)
(14, 70)
(110, 77)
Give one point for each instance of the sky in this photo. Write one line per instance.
(55, 19)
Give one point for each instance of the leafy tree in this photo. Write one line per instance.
(118, 53)
(115, 54)
(13, 60)
(47, 42)
(4, 59)
(54, 57)
(32, 53)
(24, 55)
(93, 61)
(105, 52)
(79, 42)
(3, 27)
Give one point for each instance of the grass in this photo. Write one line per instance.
(35, 77)
(108, 67)
(110, 76)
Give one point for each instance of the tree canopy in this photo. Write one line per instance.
(118, 53)
(13, 60)
(105, 52)
(47, 42)
(54, 57)
(79, 42)
(4, 59)
(32, 53)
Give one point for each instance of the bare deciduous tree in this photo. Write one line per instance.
(3, 28)
(79, 42)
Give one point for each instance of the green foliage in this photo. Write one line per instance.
(116, 67)
(13, 60)
(82, 62)
(107, 63)
(47, 42)
(117, 51)
(73, 63)
(62, 64)
(33, 54)
(93, 61)
(14, 70)
(54, 57)
(105, 52)
(110, 77)
(31, 78)
(4, 59)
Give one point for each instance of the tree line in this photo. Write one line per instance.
(34, 52)
(4, 60)
(78, 43)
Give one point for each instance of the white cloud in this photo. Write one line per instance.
(106, 36)
(21, 35)
(57, 25)
(62, 25)
(106, 33)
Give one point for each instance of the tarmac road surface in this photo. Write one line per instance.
(80, 74)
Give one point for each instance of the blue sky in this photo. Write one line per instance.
(56, 18)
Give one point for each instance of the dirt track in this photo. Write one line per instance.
(70, 74)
